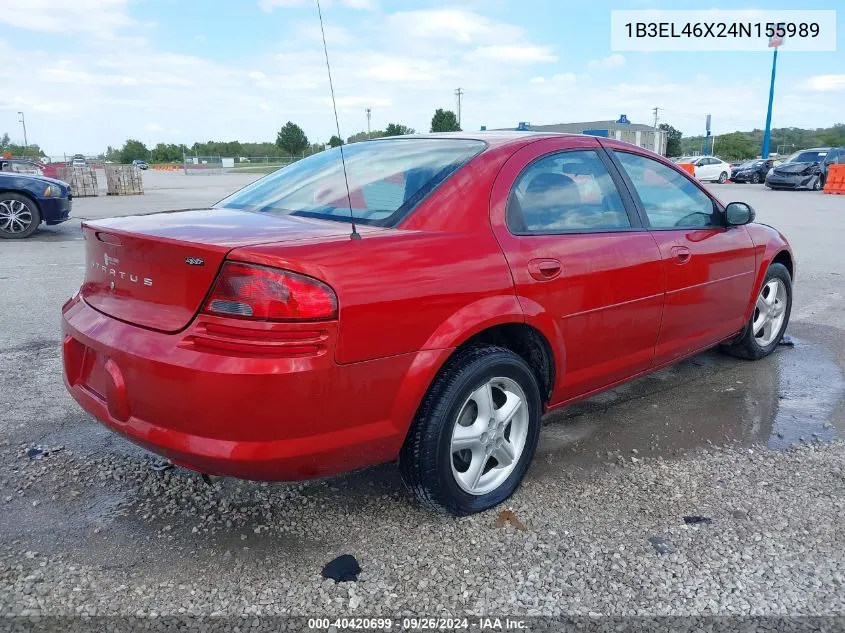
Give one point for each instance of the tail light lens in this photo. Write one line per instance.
(270, 294)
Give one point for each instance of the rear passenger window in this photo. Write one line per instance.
(670, 200)
(569, 191)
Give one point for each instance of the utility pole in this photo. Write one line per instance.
(655, 110)
(25, 142)
(459, 93)
(369, 112)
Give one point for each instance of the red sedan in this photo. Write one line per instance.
(485, 281)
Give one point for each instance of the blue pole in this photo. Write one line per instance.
(767, 135)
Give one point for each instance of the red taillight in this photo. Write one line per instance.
(260, 292)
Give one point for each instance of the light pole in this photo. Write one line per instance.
(369, 112)
(25, 142)
(774, 42)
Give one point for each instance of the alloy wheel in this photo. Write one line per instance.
(769, 312)
(15, 216)
(489, 435)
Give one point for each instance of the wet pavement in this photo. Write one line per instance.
(712, 399)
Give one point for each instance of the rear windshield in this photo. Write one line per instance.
(387, 178)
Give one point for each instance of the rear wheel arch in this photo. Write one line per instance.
(528, 343)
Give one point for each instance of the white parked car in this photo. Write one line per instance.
(708, 167)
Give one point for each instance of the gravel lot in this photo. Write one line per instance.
(93, 529)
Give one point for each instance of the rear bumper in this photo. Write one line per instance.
(55, 210)
(228, 411)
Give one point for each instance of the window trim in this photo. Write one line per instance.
(638, 203)
(628, 203)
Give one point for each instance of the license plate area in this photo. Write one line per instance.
(85, 367)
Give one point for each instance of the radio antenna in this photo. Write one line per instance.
(355, 235)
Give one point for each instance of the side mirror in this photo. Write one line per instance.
(739, 213)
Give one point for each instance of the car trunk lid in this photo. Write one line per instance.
(155, 270)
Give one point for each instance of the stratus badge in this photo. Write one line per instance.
(194, 261)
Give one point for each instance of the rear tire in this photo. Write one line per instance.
(723, 178)
(772, 310)
(19, 216)
(483, 407)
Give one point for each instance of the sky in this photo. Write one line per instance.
(92, 73)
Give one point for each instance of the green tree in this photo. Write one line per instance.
(5, 141)
(397, 129)
(444, 121)
(112, 155)
(673, 139)
(735, 146)
(361, 136)
(133, 149)
(292, 139)
(335, 141)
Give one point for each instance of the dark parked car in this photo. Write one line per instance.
(836, 156)
(752, 170)
(26, 201)
(802, 170)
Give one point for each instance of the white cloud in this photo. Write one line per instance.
(257, 75)
(451, 24)
(611, 61)
(503, 53)
(826, 83)
(271, 5)
(350, 101)
(154, 127)
(402, 70)
(98, 17)
(335, 35)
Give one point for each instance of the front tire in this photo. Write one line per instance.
(769, 319)
(19, 216)
(819, 184)
(475, 432)
(755, 178)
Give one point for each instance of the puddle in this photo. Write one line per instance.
(711, 399)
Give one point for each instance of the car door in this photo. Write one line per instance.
(709, 267)
(587, 274)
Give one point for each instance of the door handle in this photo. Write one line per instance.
(544, 269)
(681, 254)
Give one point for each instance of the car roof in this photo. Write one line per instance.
(493, 138)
